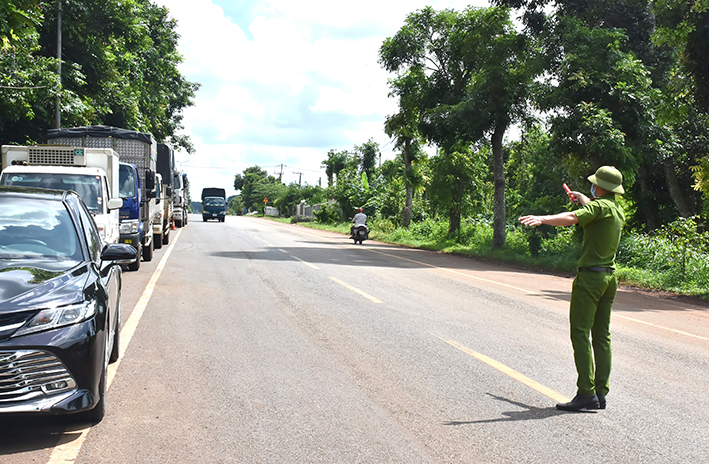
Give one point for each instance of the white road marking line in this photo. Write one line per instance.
(356, 290)
(68, 451)
(660, 327)
(532, 292)
(508, 371)
(305, 262)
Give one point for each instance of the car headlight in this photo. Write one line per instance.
(58, 317)
(130, 227)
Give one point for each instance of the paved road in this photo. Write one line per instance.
(270, 343)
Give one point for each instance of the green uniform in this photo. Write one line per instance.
(593, 293)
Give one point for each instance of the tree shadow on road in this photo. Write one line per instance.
(527, 413)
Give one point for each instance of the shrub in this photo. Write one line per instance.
(328, 214)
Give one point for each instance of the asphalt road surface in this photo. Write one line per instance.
(252, 341)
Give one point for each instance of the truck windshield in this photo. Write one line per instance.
(87, 186)
(214, 201)
(126, 182)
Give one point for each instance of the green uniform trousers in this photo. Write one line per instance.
(592, 296)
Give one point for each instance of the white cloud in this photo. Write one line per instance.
(284, 81)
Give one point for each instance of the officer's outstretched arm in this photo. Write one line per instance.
(562, 219)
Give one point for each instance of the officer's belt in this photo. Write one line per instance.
(596, 269)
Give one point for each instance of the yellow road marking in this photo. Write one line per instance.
(356, 290)
(67, 451)
(507, 371)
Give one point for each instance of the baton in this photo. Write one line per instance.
(568, 192)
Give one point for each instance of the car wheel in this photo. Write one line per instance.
(157, 239)
(148, 251)
(178, 224)
(116, 348)
(96, 415)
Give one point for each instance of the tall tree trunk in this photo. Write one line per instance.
(407, 180)
(675, 190)
(498, 167)
(457, 200)
(647, 204)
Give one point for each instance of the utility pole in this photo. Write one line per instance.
(280, 177)
(300, 176)
(58, 115)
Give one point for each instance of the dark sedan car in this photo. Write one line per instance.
(60, 289)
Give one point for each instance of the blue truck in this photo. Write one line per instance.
(137, 152)
(213, 204)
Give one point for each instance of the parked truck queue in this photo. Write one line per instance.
(133, 195)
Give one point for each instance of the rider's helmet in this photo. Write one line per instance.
(359, 210)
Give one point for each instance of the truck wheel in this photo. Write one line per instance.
(148, 251)
(158, 241)
(166, 237)
(135, 265)
(178, 223)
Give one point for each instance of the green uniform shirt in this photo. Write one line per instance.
(602, 220)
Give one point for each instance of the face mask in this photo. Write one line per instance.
(593, 191)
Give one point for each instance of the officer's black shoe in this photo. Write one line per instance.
(580, 402)
(601, 401)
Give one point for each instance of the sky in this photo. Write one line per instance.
(285, 81)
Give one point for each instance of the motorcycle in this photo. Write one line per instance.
(359, 233)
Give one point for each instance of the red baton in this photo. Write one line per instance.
(568, 192)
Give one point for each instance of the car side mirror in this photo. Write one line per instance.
(115, 203)
(149, 180)
(119, 253)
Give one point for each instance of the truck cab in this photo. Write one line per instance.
(213, 204)
(87, 172)
(131, 192)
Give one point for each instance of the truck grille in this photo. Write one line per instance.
(29, 374)
(56, 156)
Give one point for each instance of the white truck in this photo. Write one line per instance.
(90, 172)
(180, 198)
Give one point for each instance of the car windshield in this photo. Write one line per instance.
(87, 186)
(214, 201)
(36, 228)
(126, 182)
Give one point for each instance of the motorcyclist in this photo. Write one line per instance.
(359, 219)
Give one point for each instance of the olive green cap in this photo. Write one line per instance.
(608, 178)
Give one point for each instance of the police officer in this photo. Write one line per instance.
(595, 285)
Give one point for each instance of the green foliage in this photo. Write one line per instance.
(328, 214)
(235, 205)
(460, 183)
(119, 68)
